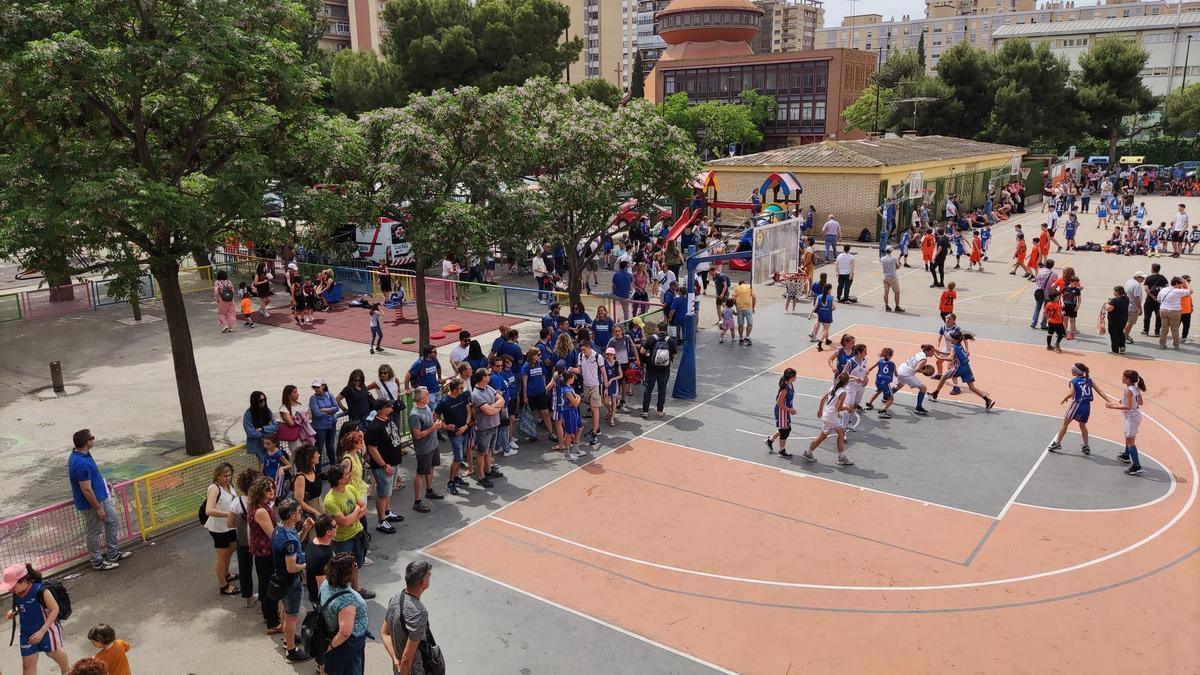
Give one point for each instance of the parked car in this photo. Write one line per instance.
(1189, 167)
(629, 213)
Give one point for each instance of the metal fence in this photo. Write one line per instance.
(172, 496)
(53, 536)
(57, 301)
(101, 298)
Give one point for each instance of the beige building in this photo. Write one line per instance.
(353, 24)
(788, 25)
(973, 22)
(609, 29)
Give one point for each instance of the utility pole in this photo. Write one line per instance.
(878, 68)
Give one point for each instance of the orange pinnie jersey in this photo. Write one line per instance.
(1054, 312)
(947, 302)
(1035, 254)
(976, 249)
(1020, 251)
(927, 243)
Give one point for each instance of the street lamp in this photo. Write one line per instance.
(1186, 55)
(878, 68)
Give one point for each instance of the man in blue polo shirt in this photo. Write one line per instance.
(426, 372)
(90, 493)
(550, 320)
(622, 287)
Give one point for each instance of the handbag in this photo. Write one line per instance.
(275, 588)
(527, 423)
(288, 432)
(431, 654)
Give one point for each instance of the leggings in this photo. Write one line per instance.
(245, 570)
(1185, 322)
(264, 566)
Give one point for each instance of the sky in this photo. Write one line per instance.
(835, 10)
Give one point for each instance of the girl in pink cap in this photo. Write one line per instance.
(38, 612)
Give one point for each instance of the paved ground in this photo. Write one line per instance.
(128, 400)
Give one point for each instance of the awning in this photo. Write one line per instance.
(707, 179)
(787, 183)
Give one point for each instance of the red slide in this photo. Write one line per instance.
(686, 218)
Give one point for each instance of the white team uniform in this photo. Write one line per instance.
(831, 419)
(1133, 417)
(906, 374)
(854, 388)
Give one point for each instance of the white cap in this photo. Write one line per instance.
(318, 382)
(1139, 273)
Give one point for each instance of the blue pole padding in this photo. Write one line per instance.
(685, 376)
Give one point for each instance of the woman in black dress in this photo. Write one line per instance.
(1115, 312)
(385, 279)
(262, 288)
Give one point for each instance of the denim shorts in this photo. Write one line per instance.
(291, 601)
(458, 444)
(383, 482)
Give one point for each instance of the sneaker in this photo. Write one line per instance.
(494, 473)
(1133, 471)
(367, 562)
(921, 411)
(513, 444)
(104, 565)
(452, 488)
(885, 415)
(869, 406)
(645, 414)
(770, 442)
(249, 602)
(954, 391)
(485, 483)
(659, 413)
(366, 593)
(420, 508)
(1054, 446)
(508, 453)
(430, 494)
(1086, 450)
(887, 308)
(1124, 457)
(785, 454)
(933, 396)
(741, 341)
(844, 460)
(297, 655)
(621, 405)
(749, 341)
(808, 457)
(594, 441)
(461, 482)
(386, 528)
(393, 517)
(899, 309)
(571, 455)
(119, 555)
(988, 404)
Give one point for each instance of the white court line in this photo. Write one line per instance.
(1022, 484)
(582, 615)
(652, 429)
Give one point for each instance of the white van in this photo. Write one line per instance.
(383, 241)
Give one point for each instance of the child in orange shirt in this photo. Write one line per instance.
(112, 651)
(946, 304)
(976, 252)
(1055, 329)
(927, 243)
(1034, 259)
(247, 308)
(1019, 257)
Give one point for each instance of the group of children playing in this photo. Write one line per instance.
(1147, 240)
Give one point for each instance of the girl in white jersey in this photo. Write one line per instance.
(830, 410)
(906, 374)
(857, 367)
(1131, 404)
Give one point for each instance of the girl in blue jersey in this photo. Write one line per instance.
(905, 241)
(1081, 389)
(569, 414)
(1131, 406)
(839, 360)
(986, 235)
(612, 384)
(885, 372)
(783, 413)
(1102, 214)
(534, 388)
(38, 612)
(823, 306)
(1070, 228)
(961, 368)
(818, 286)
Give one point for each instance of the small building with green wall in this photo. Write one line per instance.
(851, 179)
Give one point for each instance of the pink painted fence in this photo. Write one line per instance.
(53, 536)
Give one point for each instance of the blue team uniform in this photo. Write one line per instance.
(904, 240)
(1081, 407)
(885, 372)
(568, 413)
(611, 371)
(825, 308)
(843, 361)
(1070, 228)
(783, 418)
(963, 371)
(32, 616)
(986, 235)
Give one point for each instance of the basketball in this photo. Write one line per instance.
(928, 370)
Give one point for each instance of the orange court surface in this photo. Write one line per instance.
(956, 542)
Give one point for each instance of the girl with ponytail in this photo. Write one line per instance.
(1131, 406)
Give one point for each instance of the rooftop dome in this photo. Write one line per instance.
(708, 21)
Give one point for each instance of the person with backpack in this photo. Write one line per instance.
(89, 490)
(224, 295)
(657, 353)
(40, 605)
(341, 619)
(405, 631)
(214, 516)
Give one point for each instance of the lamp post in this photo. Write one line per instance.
(878, 67)
(1182, 83)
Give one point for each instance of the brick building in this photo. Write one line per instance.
(852, 178)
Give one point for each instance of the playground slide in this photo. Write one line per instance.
(686, 218)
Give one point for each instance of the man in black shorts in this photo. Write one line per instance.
(424, 429)
(383, 455)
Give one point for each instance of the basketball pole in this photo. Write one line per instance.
(685, 376)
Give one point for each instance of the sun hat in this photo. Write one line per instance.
(12, 574)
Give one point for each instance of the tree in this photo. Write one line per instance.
(677, 111)
(921, 51)
(940, 116)
(760, 106)
(862, 113)
(970, 74)
(360, 81)
(1109, 86)
(899, 67)
(1182, 110)
(592, 159)
(721, 124)
(488, 43)
(1033, 100)
(600, 90)
(450, 161)
(141, 132)
(637, 82)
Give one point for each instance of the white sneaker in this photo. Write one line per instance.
(367, 562)
(513, 444)
(508, 453)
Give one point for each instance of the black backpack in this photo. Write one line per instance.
(61, 596)
(314, 631)
(226, 292)
(202, 514)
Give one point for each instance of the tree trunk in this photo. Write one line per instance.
(574, 272)
(1113, 137)
(200, 257)
(422, 309)
(196, 433)
(136, 303)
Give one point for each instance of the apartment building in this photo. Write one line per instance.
(1166, 39)
(870, 32)
(609, 29)
(649, 43)
(353, 24)
(788, 25)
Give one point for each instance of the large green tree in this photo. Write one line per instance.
(970, 75)
(485, 43)
(714, 125)
(599, 89)
(140, 132)
(899, 67)
(1109, 86)
(863, 114)
(1033, 100)
(361, 81)
(592, 159)
(637, 79)
(1182, 110)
